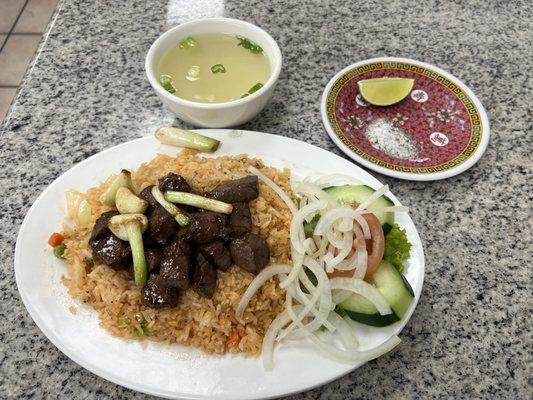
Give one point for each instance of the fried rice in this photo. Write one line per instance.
(208, 324)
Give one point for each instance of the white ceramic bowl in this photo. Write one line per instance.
(214, 115)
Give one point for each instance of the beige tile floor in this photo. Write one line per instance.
(22, 23)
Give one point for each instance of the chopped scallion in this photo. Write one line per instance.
(249, 45)
(89, 263)
(215, 69)
(188, 42)
(166, 82)
(144, 329)
(253, 89)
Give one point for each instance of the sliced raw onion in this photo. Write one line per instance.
(324, 291)
(348, 263)
(335, 239)
(303, 202)
(309, 246)
(296, 230)
(373, 197)
(358, 259)
(364, 225)
(322, 248)
(314, 191)
(326, 221)
(307, 308)
(365, 289)
(340, 295)
(362, 259)
(297, 262)
(296, 292)
(267, 352)
(272, 185)
(258, 281)
(347, 246)
(345, 331)
(304, 280)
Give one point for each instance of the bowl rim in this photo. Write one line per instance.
(150, 73)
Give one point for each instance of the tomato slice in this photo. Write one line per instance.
(375, 246)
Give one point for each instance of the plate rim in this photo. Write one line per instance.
(118, 380)
(433, 176)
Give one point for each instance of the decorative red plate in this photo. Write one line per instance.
(439, 130)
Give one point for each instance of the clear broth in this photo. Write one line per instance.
(193, 79)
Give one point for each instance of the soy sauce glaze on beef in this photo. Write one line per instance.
(237, 190)
(157, 294)
(188, 257)
(240, 219)
(217, 254)
(175, 267)
(162, 227)
(207, 226)
(205, 277)
(153, 256)
(107, 247)
(250, 252)
(175, 182)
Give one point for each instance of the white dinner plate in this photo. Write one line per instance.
(177, 371)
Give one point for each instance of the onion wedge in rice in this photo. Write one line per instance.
(279, 191)
(258, 281)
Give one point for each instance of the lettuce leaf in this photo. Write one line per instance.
(397, 247)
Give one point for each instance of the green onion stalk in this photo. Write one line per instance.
(198, 201)
(130, 227)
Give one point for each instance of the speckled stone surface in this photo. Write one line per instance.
(470, 336)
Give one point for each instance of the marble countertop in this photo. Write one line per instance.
(470, 336)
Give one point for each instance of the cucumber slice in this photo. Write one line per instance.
(394, 287)
(396, 290)
(360, 309)
(350, 194)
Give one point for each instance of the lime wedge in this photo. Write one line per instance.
(385, 91)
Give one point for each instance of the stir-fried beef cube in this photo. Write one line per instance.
(235, 191)
(153, 258)
(107, 247)
(175, 267)
(175, 182)
(156, 294)
(178, 245)
(146, 194)
(175, 270)
(162, 227)
(100, 228)
(206, 227)
(205, 277)
(217, 254)
(250, 252)
(240, 219)
(112, 251)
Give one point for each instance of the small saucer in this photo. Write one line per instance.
(439, 130)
